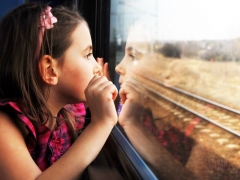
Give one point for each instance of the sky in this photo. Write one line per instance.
(182, 19)
(198, 19)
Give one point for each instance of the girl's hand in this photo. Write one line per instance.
(133, 97)
(105, 71)
(100, 95)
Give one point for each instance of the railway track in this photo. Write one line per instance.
(212, 125)
(220, 115)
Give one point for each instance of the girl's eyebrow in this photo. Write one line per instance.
(134, 49)
(129, 49)
(89, 47)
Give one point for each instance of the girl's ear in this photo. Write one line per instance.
(48, 70)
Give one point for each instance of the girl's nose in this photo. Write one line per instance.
(120, 69)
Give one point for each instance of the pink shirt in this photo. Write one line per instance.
(47, 146)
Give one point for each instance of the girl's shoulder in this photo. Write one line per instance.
(11, 127)
(13, 147)
(12, 111)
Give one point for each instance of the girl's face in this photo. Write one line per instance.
(136, 59)
(79, 66)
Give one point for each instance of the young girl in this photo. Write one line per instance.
(46, 63)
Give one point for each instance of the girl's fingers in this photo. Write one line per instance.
(101, 63)
(105, 70)
(100, 84)
(132, 89)
(109, 87)
(96, 80)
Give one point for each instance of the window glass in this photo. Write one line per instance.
(180, 61)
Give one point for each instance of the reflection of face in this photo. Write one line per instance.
(140, 61)
(136, 56)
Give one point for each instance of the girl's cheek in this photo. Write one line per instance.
(135, 62)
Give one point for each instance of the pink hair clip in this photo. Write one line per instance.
(46, 22)
(47, 19)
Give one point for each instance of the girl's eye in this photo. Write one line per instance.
(133, 57)
(89, 55)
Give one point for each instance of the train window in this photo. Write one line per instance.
(6, 7)
(181, 59)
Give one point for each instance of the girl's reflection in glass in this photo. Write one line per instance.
(142, 127)
(148, 120)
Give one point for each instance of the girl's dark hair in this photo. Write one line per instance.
(19, 56)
